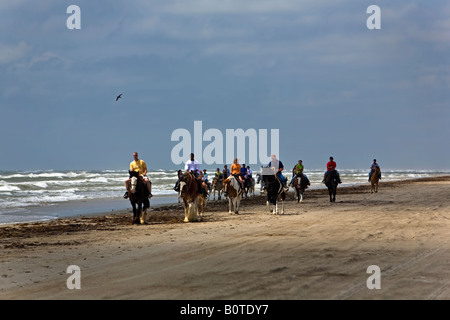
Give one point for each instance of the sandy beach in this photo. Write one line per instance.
(316, 250)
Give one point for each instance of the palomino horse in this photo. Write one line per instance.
(233, 189)
(216, 185)
(194, 202)
(332, 181)
(374, 178)
(275, 192)
(138, 196)
(300, 185)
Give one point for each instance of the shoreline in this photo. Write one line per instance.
(316, 250)
(120, 214)
(47, 211)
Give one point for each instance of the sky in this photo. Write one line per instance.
(311, 69)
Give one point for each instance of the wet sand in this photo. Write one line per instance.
(316, 250)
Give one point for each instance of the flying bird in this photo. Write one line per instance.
(119, 96)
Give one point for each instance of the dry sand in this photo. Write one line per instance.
(316, 250)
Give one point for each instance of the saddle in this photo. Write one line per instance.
(200, 188)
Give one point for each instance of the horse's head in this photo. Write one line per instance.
(268, 178)
(133, 173)
(133, 184)
(226, 184)
(187, 185)
(134, 179)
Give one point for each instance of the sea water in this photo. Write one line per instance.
(27, 196)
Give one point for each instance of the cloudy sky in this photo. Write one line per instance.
(311, 69)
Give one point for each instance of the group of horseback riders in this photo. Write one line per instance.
(241, 173)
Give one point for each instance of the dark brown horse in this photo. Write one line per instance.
(300, 185)
(249, 187)
(138, 196)
(332, 181)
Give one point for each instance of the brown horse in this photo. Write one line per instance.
(216, 185)
(233, 189)
(194, 202)
(374, 178)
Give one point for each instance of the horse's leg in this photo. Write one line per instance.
(195, 210)
(269, 205)
(195, 206)
(230, 203)
(136, 214)
(145, 215)
(189, 213)
(141, 217)
(201, 208)
(147, 207)
(238, 201)
(191, 208)
(186, 212)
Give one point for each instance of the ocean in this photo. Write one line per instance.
(27, 196)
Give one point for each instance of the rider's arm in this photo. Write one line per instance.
(144, 166)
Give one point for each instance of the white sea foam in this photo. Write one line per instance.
(8, 188)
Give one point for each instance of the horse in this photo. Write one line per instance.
(251, 189)
(138, 196)
(300, 185)
(332, 181)
(247, 185)
(374, 178)
(262, 185)
(216, 185)
(189, 187)
(275, 192)
(233, 189)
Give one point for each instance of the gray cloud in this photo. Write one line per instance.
(254, 63)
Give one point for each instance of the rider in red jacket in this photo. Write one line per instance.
(331, 166)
